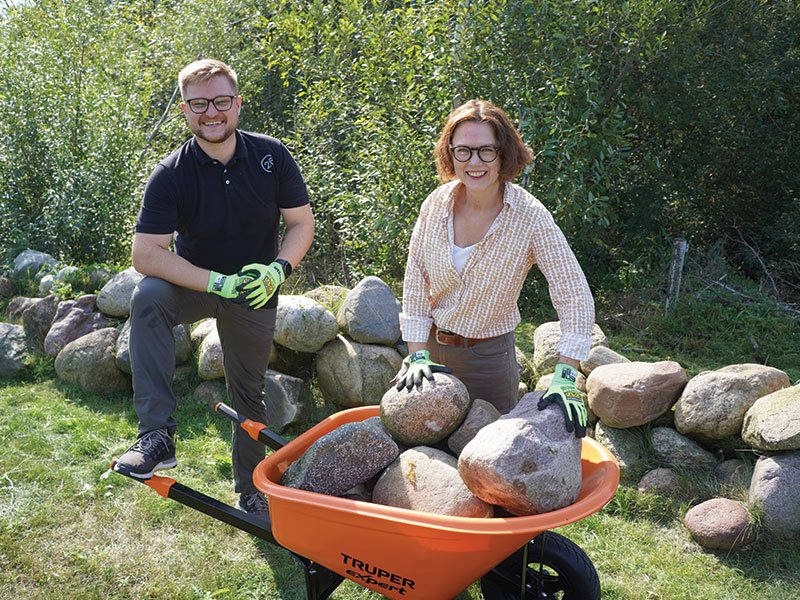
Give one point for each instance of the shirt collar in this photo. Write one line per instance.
(509, 197)
(203, 158)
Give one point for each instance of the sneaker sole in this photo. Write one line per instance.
(238, 506)
(164, 464)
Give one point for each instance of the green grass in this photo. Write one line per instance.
(69, 529)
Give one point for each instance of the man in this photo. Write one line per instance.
(220, 196)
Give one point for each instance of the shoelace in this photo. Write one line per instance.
(256, 503)
(148, 444)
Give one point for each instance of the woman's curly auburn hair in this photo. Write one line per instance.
(514, 152)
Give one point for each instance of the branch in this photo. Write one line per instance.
(775, 291)
(160, 121)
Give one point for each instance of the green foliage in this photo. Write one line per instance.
(367, 98)
(717, 126)
(71, 128)
(648, 120)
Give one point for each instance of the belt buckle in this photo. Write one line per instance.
(444, 332)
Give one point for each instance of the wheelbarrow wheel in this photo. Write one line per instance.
(557, 568)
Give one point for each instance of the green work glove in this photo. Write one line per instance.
(563, 392)
(227, 286)
(415, 366)
(263, 282)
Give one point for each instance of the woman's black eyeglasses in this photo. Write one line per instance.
(486, 153)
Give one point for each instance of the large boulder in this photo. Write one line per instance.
(29, 262)
(733, 472)
(349, 455)
(114, 299)
(37, 320)
(679, 452)
(7, 287)
(88, 363)
(73, 319)
(370, 314)
(772, 423)
(775, 488)
(17, 306)
(13, 350)
(210, 364)
(292, 362)
(526, 461)
(330, 296)
(661, 481)
(629, 447)
(545, 345)
(480, 414)
(720, 524)
(285, 400)
(629, 394)
(425, 415)
(199, 331)
(599, 356)
(303, 324)
(713, 404)
(352, 374)
(427, 479)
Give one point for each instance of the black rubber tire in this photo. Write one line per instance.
(566, 572)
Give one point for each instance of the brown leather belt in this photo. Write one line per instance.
(448, 338)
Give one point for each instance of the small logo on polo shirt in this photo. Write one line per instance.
(267, 163)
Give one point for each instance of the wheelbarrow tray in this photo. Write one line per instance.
(403, 553)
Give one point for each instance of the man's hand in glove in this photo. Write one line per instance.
(263, 282)
(563, 392)
(227, 286)
(416, 366)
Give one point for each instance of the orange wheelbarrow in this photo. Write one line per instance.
(402, 553)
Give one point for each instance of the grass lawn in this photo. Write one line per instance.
(69, 529)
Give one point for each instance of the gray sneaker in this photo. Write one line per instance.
(253, 503)
(151, 451)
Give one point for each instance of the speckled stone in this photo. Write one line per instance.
(426, 415)
(427, 480)
(340, 460)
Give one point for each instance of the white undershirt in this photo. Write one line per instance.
(460, 256)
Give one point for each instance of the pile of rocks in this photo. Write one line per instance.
(649, 414)
(697, 430)
(352, 354)
(435, 450)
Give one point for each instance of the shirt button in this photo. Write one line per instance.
(227, 181)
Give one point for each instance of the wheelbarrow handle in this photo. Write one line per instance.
(257, 431)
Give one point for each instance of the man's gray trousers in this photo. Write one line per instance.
(246, 336)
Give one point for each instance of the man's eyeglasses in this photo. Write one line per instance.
(486, 153)
(200, 105)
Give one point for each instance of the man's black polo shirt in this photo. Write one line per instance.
(223, 216)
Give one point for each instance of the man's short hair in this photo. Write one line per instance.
(201, 71)
(514, 153)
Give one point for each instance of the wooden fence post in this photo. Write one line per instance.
(679, 248)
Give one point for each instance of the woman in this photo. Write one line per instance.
(476, 238)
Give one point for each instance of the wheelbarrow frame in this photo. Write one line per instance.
(322, 581)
